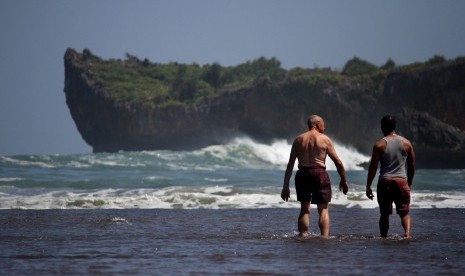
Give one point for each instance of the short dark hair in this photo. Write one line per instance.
(388, 124)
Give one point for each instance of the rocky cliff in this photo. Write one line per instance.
(428, 102)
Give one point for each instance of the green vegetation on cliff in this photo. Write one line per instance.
(133, 81)
(143, 83)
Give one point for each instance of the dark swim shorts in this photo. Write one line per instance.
(313, 184)
(395, 190)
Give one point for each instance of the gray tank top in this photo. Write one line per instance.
(393, 159)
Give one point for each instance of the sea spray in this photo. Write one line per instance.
(277, 153)
(237, 175)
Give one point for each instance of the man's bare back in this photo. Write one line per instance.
(311, 148)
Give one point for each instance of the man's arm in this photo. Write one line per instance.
(372, 171)
(410, 163)
(286, 193)
(339, 166)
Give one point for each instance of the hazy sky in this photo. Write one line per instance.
(34, 35)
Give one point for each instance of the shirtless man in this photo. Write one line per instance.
(394, 153)
(311, 180)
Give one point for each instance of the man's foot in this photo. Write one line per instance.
(303, 234)
(407, 235)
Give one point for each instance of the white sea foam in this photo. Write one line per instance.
(240, 174)
(438, 200)
(119, 220)
(10, 179)
(19, 162)
(349, 156)
(277, 153)
(209, 197)
(155, 178)
(218, 190)
(240, 152)
(78, 165)
(216, 179)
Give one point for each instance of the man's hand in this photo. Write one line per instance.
(285, 194)
(369, 193)
(344, 187)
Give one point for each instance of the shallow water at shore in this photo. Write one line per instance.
(230, 241)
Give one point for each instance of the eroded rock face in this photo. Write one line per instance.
(428, 105)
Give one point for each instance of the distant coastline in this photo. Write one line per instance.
(135, 104)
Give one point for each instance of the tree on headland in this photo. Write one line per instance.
(389, 65)
(436, 60)
(357, 66)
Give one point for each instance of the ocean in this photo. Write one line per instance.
(211, 211)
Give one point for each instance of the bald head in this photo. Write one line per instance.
(313, 121)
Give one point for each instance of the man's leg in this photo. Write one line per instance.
(406, 223)
(403, 207)
(304, 218)
(384, 225)
(323, 212)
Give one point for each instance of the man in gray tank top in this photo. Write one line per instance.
(396, 157)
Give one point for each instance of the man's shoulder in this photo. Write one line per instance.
(404, 139)
(324, 137)
(406, 142)
(380, 143)
(298, 139)
(300, 136)
(303, 135)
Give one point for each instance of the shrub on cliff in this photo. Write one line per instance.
(357, 66)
